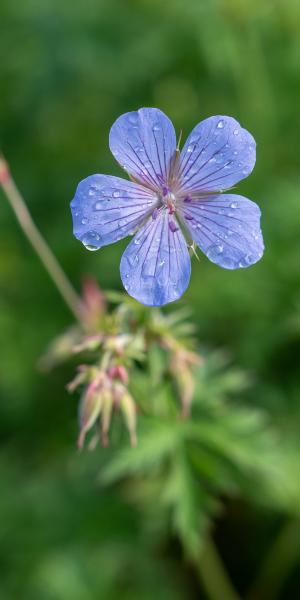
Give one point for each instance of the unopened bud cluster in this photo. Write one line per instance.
(115, 344)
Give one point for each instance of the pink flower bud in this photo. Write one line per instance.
(91, 405)
(128, 408)
(119, 372)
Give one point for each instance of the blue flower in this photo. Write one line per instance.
(172, 197)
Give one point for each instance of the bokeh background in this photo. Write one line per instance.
(68, 70)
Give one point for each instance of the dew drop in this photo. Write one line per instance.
(92, 191)
(235, 132)
(84, 221)
(156, 127)
(90, 240)
(220, 124)
(133, 259)
(214, 252)
(246, 261)
(233, 205)
(133, 118)
(116, 194)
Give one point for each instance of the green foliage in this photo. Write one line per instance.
(68, 70)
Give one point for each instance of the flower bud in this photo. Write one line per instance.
(119, 372)
(89, 409)
(181, 364)
(107, 406)
(128, 408)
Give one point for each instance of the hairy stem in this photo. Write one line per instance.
(213, 575)
(280, 560)
(42, 249)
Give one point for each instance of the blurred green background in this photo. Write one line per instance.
(68, 70)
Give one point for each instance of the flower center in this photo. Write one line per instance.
(168, 199)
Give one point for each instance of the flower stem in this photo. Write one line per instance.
(280, 560)
(213, 574)
(51, 264)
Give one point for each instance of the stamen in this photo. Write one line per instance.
(171, 208)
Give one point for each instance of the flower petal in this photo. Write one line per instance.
(156, 267)
(144, 143)
(227, 229)
(217, 154)
(106, 209)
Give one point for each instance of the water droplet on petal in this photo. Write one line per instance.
(220, 124)
(246, 261)
(235, 132)
(116, 194)
(92, 191)
(133, 118)
(214, 251)
(233, 205)
(84, 221)
(90, 240)
(133, 259)
(156, 127)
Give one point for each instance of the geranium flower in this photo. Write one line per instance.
(172, 198)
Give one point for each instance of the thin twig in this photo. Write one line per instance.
(17, 203)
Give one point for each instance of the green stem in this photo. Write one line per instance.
(42, 249)
(213, 574)
(280, 560)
